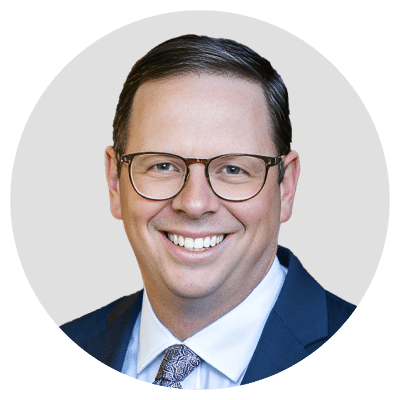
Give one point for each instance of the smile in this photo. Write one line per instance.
(198, 244)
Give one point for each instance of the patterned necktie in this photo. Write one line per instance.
(178, 362)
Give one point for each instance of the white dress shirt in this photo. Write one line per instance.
(225, 346)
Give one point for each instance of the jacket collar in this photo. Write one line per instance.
(110, 347)
(299, 318)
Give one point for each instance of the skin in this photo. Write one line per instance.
(201, 116)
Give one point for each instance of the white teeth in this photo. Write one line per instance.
(195, 244)
(189, 243)
(198, 243)
(213, 241)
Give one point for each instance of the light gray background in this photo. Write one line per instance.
(76, 255)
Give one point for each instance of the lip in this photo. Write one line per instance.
(196, 234)
(184, 255)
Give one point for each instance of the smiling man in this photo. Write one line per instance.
(202, 175)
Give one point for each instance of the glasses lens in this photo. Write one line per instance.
(237, 177)
(157, 176)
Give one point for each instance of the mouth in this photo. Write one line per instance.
(195, 244)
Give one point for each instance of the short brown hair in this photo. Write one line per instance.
(201, 54)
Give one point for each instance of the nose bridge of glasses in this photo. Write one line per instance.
(190, 161)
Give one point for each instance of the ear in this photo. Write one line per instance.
(113, 182)
(291, 166)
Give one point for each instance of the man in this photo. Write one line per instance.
(202, 175)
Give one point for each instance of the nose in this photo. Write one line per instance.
(197, 197)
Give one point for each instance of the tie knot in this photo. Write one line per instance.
(178, 362)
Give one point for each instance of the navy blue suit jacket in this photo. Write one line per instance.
(304, 317)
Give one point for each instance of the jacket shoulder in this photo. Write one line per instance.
(339, 311)
(84, 328)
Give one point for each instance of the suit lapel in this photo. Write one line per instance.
(298, 319)
(277, 350)
(110, 347)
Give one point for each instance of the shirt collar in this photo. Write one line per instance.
(154, 337)
(228, 343)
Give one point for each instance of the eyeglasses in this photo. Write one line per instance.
(233, 177)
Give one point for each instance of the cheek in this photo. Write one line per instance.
(260, 215)
(136, 212)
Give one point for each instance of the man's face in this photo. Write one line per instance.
(201, 117)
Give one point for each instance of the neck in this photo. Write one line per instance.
(184, 316)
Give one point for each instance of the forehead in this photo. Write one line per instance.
(182, 114)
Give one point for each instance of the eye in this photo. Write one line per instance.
(232, 170)
(164, 167)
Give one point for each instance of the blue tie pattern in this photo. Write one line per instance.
(178, 362)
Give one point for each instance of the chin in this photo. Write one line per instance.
(192, 290)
